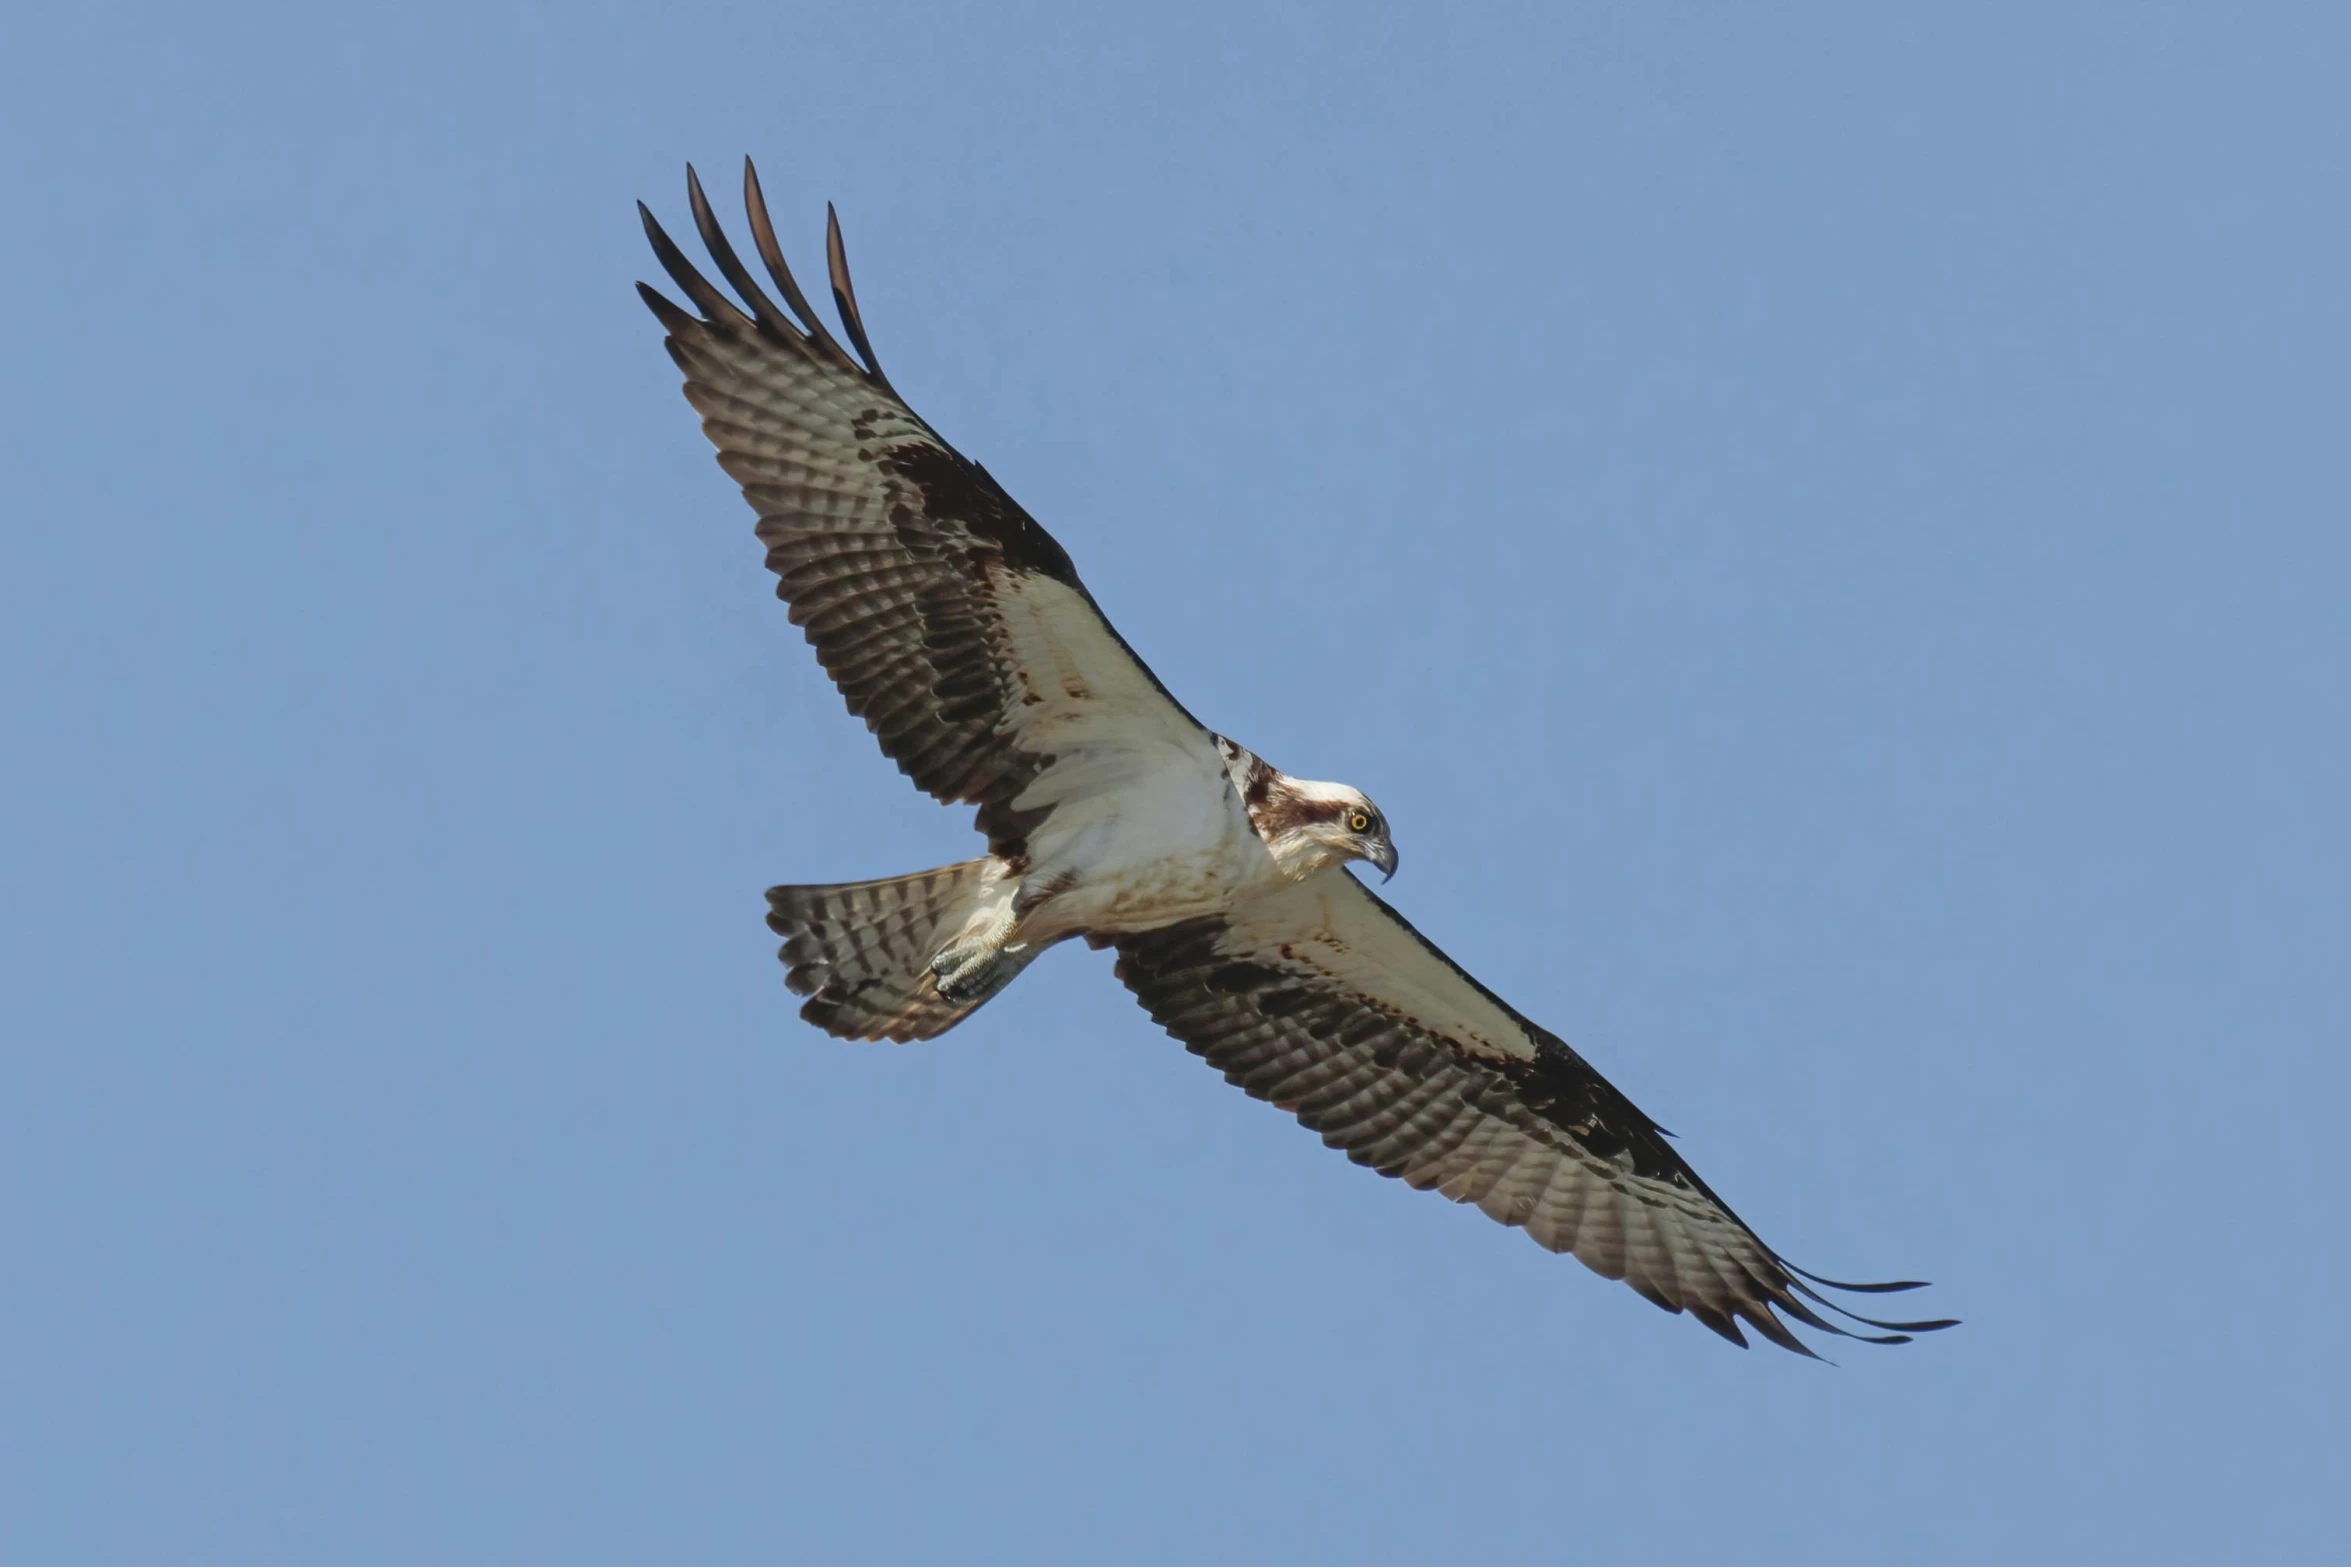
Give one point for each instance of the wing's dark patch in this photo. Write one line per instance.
(1561, 1087)
(1545, 1144)
(951, 487)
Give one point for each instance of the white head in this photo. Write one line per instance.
(1310, 826)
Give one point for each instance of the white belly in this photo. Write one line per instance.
(1137, 842)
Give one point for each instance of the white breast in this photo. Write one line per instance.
(1143, 827)
(1140, 845)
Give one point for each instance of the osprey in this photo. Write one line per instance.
(959, 631)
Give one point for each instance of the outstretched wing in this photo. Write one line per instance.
(1323, 1001)
(954, 625)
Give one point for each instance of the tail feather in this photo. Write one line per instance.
(861, 951)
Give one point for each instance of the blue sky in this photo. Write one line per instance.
(1823, 527)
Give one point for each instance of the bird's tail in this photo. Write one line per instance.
(861, 951)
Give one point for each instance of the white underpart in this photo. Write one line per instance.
(1146, 828)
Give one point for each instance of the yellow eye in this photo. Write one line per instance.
(1357, 821)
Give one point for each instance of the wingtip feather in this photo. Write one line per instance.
(771, 254)
(836, 256)
(665, 310)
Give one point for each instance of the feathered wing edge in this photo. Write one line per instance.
(1788, 1293)
(884, 539)
(1399, 1096)
(893, 550)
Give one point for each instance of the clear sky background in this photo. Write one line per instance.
(1823, 526)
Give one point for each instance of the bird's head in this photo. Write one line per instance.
(1311, 826)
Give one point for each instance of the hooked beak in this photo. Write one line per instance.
(1383, 854)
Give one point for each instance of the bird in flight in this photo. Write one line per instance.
(958, 629)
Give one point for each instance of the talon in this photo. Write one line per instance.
(971, 983)
(965, 976)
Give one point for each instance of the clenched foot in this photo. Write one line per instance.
(968, 974)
